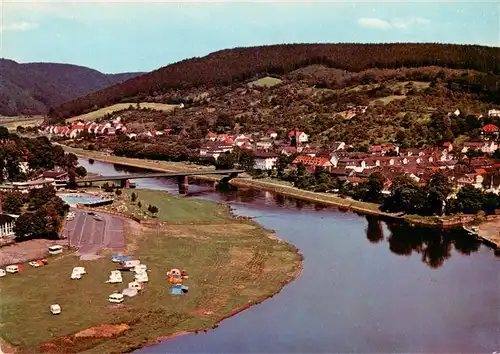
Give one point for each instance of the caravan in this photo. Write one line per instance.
(141, 277)
(115, 297)
(129, 264)
(3, 273)
(13, 269)
(55, 249)
(55, 309)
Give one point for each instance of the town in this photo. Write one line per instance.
(342, 168)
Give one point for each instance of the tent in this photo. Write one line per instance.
(178, 290)
(130, 292)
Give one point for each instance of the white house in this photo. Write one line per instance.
(7, 223)
(494, 113)
(263, 145)
(264, 160)
(271, 134)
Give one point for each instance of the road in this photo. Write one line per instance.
(90, 236)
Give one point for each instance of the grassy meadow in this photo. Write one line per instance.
(12, 123)
(119, 107)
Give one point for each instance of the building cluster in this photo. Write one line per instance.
(111, 128)
(343, 162)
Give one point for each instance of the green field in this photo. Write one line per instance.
(12, 123)
(231, 263)
(119, 107)
(266, 82)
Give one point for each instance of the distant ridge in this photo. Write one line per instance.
(235, 65)
(32, 88)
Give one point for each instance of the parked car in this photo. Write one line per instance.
(98, 218)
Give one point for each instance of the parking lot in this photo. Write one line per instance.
(90, 235)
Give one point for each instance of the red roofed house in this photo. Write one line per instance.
(489, 130)
(211, 136)
(447, 145)
(313, 162)
(271, 134)
(298, 136)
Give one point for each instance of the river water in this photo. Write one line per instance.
(367, 286)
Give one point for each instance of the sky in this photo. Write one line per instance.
(125, 36)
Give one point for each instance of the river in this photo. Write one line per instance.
(367, 286)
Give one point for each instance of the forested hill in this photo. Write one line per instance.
(235, 65)
(33, 88)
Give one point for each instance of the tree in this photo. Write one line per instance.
(152, 209)
(118, 192)
(29, 225)
(284, 162)
(375, 186)
(406, 196)
(225, 161)
(304, 179)
(12, 202)
(437, 191)
(491, 202)
(133, 197)
(40, 196)
(245, 159)
(469, 200)
(4, 132)
(496, 154)
(139, 205)
(81, 171)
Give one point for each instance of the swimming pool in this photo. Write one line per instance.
(85, 199)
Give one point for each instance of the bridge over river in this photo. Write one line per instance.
(181, 176)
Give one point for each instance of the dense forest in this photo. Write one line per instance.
(236, 65)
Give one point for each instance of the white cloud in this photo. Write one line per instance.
(374, 23)
(405, 23)
(20, 26)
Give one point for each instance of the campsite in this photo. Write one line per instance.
(217, 258)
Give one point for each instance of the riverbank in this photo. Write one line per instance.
(280, 187)
(232, 264)
(262, 184)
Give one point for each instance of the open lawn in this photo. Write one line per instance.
(119, 107)
(176, 213)
(231, 263)
(265, 82)
(387, 99)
